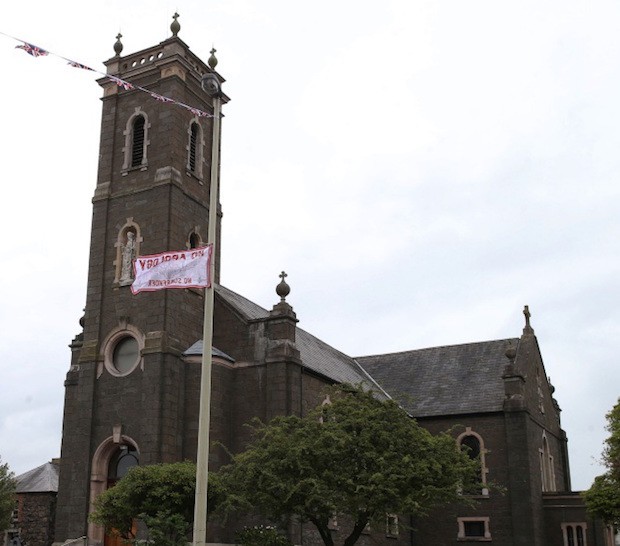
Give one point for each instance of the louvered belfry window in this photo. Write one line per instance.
(137, 149)
(193, 143)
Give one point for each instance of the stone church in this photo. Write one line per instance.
(132, 389)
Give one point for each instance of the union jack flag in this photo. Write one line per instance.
(121, 83)
(160, 98)
(32, 50)
(78, 65)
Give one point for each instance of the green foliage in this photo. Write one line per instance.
(358, 457)
(261, 536)
(162, 496)
(7, 495)
(611, 452)
(166, 528)
(603, 498)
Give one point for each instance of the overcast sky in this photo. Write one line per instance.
(420, 169)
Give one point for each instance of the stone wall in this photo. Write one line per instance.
(36, 518)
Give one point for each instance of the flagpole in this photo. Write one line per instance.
(211, 85)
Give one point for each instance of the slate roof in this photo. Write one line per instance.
(42, 479)
(196, 350)
(247, 308)
(449, 380)
(316, 355)
(324, 359)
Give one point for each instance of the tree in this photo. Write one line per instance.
(358, 457)
(162, 496)
(603, 498)
(7, 495)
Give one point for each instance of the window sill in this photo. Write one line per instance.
(196, 177)
(127, 170)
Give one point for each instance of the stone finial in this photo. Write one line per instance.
(283, 289)
(118, 45)
(528, 329)
(175, 26)
(212, 62)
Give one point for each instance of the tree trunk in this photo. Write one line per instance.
(358, 528)
(323, 529)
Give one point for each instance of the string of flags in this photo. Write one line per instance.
(36, 51)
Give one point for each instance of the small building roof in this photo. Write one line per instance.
(42, 479)
(196, 350)
(449, 380)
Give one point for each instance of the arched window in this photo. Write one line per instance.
(121, 462)
(471, 442)
(137, 142)
(571, 537)
(472, 445)
(195, 240)
(546, 466)
(574, 534)
(325, 406)
(580, 536)
(194, 149)
(193, 144)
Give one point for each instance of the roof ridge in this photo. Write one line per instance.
(439, 347)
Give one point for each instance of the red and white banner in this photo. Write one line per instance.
(181, 269)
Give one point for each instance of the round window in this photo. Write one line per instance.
(126, 355)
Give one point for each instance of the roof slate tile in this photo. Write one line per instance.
(448, 380)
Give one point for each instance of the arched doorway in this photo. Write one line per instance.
(112, 460)
(126, 456)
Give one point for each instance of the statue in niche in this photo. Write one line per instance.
(128, 255)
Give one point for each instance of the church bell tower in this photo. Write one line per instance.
(126, 398)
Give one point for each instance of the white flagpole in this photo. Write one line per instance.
(211, 85)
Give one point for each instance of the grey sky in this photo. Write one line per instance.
(421, 170)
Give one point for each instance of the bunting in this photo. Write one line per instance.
(36, 51)
(32, 50)
(78, 65)
(160, 98)
(121, 83)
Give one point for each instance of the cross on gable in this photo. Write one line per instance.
(526, 312)
(528, 329)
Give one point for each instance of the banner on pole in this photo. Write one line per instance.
(180, 269)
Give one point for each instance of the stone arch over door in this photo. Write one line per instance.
(99, 477)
